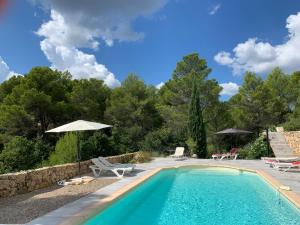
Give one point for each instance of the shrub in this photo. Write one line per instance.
(212, 149)
(65, 150)
(18, 154)
(142, 157)
(159, 140)
(243, 153)
(41, 149)
(99, 144)
(255, 149)
(192, 145)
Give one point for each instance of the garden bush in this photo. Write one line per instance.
(18, 154)
(99, 144)
(160, 140)
(255, 149)
(65, 150)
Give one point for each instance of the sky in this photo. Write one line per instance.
(109, 39)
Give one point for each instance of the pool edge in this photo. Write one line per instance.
(97, 207)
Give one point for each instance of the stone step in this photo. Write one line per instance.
(281, 149)
(279, 145)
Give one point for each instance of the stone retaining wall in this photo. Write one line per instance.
(293, 139)
(30, 180)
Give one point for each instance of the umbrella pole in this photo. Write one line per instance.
(78, 153)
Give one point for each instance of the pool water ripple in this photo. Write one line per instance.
(206, 196)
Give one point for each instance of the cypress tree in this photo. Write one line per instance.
(195, 122)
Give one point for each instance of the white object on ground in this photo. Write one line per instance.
(287, 188)
(76, 181)
(270, 160)
(179, 153)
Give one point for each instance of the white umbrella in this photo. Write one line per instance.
(78, 125)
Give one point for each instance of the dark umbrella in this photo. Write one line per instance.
(233, 132)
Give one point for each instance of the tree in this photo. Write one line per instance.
(293, 121)
(132, 109)
(191, 63)
(281, 98)
(251, 107)
(195, 123)
(174, 97)
(7, 86)
(15, 121)
(89, 99)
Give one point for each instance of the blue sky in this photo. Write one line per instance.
(149, 37)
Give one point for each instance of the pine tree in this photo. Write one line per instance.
(195, 123)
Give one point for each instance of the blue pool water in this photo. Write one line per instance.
(193, 196)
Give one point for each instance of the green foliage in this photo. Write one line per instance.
(89, 98)
(143, 117)
(98, 144)
(191, 63)
(42, 149)
(159, 140)
(254, 150)
(192, 145)
(175, 94)
(18, 154)
(251, 106)
(65, 150)
(15, 121)
(293, 120)
(133, 112)
(267, 103)
(195, 123)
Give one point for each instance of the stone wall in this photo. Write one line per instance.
(30, 180)
(293, 139)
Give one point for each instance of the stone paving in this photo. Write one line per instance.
(280, 146)
(71, 210)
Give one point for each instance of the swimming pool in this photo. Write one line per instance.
(190, 196)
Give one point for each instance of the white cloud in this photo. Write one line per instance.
(261, 57)
(229, 89)
(214, 9)
(75, 25)
(4, 69)
(79, 64)
(5, 72)
(159, 86)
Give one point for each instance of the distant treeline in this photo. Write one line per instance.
(143, 117)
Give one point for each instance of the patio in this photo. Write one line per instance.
(80, 209)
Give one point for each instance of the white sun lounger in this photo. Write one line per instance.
(179, 153)
(98, 167)
(270, 160)
(232, 154)
(107, 163)
(286, 166)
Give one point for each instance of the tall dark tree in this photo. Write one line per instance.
(195, 123)
(174, 97)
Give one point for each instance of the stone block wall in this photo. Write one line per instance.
(293, 139)
(26, 181)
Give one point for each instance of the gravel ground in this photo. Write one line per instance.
(26, 207)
